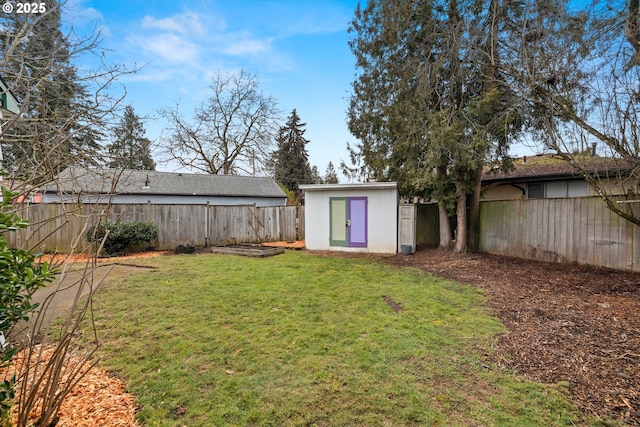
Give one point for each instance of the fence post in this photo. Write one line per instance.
(255, 223)
(206, 225)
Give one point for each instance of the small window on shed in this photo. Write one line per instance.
(535, 190)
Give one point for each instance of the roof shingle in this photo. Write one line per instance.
(104, 181)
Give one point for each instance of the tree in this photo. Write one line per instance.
(62, 107)
(231, 133)
(315, 175)
(292, 160)
(330, 176)
(130, 149)
(580, 77)
(20, 277)
(429, 105)
(60, 120)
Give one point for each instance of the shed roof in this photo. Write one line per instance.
(355, 186)
(105, 181)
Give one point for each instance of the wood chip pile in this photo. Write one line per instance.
(99, 399)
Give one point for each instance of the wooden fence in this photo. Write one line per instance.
(428, 224)
(60, 227)
(571, 230)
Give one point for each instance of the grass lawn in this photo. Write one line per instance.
(299, 339)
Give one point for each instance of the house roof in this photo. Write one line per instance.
(105, 181)
(548, 166)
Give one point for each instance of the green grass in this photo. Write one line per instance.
(298, 339)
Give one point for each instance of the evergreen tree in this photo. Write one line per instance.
(130, 149)
(292, 162)
(330, 176)
(429, 105)
(315, 175)
(59, 120)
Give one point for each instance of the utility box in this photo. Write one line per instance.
(407, 214)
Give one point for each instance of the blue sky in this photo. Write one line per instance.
(298, 50)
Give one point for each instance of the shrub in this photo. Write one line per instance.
(121, 236)
(20, 277)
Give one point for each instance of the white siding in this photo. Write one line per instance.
(382, 211)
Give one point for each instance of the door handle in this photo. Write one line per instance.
(348, 223)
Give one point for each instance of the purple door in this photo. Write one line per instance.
(357, 222)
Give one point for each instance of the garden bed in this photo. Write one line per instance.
(247, 250)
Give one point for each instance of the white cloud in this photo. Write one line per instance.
(192, 44)
(168, 47)
(184, 23)
(248, 47)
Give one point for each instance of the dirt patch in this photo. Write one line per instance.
(568, 323)
(393, 304)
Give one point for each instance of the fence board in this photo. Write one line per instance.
(427, 224)
(580, 230)
(55, 227)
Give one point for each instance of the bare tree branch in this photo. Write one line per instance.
(229, 133)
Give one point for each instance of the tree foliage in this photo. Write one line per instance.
(429, 105)
(232, 132)
(330, 175)
(117, 238)
(315, 175)
(60, 119)
(130, 149)
(291, 158)
(580, 72)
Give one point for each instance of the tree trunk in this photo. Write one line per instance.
(445, 227)
(474, 214)
(461, 212)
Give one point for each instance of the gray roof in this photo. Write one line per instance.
(101, 181)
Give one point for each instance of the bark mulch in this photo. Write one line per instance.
(569, 323)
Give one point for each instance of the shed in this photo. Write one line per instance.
(359, 217)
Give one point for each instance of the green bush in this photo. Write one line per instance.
(122, 236)
(20, 277)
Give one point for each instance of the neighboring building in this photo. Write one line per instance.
(547, 176)
(141, 186)
(351, 217)
(8, 102)
(8, 107)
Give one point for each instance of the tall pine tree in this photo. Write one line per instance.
(292, 160)
(330, 175)
(429, 105)
(59, 122)
(129, 148)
